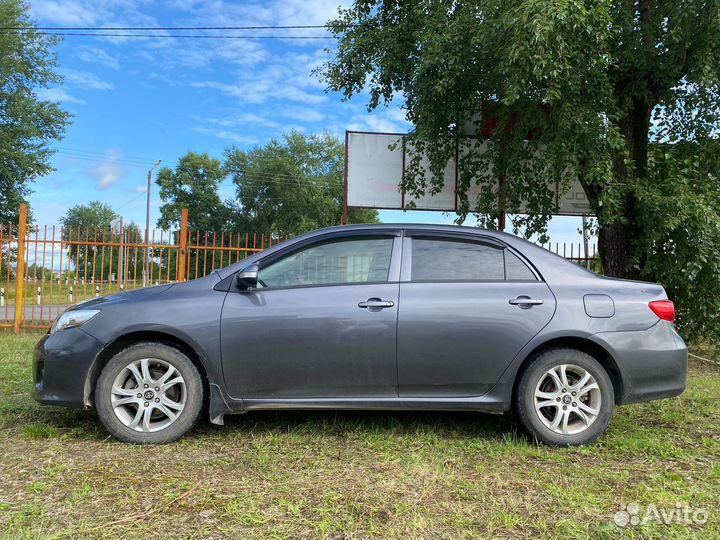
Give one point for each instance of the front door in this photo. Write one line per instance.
(321, 324)
(468, 308)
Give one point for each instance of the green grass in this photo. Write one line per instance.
(353, 474)
(60, 293)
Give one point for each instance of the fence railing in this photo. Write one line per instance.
(57, 266)
(578, 253)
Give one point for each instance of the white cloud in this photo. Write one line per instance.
(140, 189)
(242, 120)
(311, 12)
(227, 135)
(285, 78)
(66, 12)
(297, 94)
(85, 79)
(304, 114)
(96, 55)
(390, 120)
(109, 171)
(58, 94)
(273, 12)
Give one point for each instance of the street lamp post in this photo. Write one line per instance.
(146, 270)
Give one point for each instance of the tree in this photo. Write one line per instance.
(92, 223)
(592, 80)
(678, 205)
(28, 124)
(193, 184)
(291, 186)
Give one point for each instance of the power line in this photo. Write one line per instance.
(161, 36)
(143, 194)
(103, 159)
(68, 149)
(168, 28)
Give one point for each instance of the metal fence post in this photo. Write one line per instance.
(20, 269)
(182, 242)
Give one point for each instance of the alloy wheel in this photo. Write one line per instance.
(567, 399)
(148, 395)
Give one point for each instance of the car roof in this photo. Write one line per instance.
(409, 226)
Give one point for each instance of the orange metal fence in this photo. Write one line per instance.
(55, 266)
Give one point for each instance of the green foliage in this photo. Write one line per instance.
(84, 219)
(193, 184)
(679, 210)
(517, 60)
(36, 272)
(27, 124)
(92, 222)
(291, 186)
(594, 81)
(573, 73)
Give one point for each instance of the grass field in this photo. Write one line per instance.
(352, 474)
(60, 294)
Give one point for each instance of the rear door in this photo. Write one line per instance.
(468, 306)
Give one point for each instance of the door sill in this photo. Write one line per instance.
(484, 403)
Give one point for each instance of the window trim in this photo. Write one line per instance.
(393, 271)
(406, 273)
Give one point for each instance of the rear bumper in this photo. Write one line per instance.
(652, 363)
(61, 363)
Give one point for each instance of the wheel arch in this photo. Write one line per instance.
(595, 350)
(131, 338)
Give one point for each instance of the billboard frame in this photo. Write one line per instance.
(403, 136)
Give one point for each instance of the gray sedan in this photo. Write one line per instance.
(371, 317)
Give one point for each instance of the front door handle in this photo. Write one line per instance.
(525, 301)
(376, 303)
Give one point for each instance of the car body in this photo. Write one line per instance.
(390, 316)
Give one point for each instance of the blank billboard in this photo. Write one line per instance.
(376, 163)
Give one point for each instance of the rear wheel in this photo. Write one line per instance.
(149, 393)
(565, 398)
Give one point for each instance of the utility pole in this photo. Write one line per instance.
(117, 225)
(146, 270)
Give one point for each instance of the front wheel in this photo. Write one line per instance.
(149, 393)
(565, 398)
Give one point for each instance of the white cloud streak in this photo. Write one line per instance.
(58, 95)
(110, 171)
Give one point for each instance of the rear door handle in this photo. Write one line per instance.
(525, 301)
(376, 303)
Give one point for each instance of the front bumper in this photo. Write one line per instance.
(61, 364)
(652, 364)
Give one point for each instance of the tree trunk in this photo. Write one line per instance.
(615, 245)
(617, 234)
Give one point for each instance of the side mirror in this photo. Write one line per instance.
(247, 278)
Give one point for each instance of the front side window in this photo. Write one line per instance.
(435, 259)
(355, 260)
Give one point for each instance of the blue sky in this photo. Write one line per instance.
(135, 100)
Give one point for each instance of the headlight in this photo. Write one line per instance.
(70, 319)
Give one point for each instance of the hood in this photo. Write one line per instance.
(121, 297)
(206, 282)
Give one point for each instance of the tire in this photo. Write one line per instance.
(161, 412)
(543, 401)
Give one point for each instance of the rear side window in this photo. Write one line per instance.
(436, 259)
(515, 269)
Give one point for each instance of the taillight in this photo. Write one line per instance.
(664, 309)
